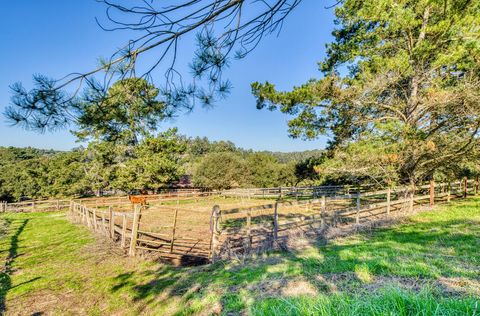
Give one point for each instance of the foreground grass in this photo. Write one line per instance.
(428, 265)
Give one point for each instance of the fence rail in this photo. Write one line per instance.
(192, 235)
(35, 206)
(259, 228)
(134, 231)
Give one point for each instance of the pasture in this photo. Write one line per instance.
(426, 265)
(203, 227)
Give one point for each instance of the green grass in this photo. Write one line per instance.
(428, 265)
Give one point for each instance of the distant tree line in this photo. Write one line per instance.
(154, 163)
(126, 153)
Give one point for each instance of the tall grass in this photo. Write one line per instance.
(392, 301)
(428, 265)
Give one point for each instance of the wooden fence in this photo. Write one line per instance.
(181, 194)
(193, 236)
(160, 229)
(244, 230)
(123, 200)
(296, 192)
(115, 225)
(35, 206)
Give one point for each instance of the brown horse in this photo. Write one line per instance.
(137, 199)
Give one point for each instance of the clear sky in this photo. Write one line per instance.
(56, 37)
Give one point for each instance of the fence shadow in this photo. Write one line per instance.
(406, 247)
(5, 279)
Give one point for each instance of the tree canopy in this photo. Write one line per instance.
(400, 87)
(225, 30)
(128, 111)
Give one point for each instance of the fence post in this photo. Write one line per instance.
(82, 214)
(58, 205)
(94, 215)
(249, 230)
(449, 190)
(87, 217)
(357, 215)
(111, 222)
(33, 206)
(104, 229)
(465, 187)
(323, 206)
(173, 228)
(432, 193)
(476, 185)
(275, 224)
(73, 208)
(133, 240)
(389, 197)
(214, 227)
(124, 230)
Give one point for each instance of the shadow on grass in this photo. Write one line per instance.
(416, 250)
(5, 280)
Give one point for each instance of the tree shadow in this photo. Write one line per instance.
(5, 279)
(417, 250)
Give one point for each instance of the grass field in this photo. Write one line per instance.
(427, 265)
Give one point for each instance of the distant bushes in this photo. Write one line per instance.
(153, 163)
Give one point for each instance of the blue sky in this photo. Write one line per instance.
(56, 37)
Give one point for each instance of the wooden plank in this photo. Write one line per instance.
(193, 246)
(123, 234)
(200, 255)
(133, 240)
(173, 228)
(215, 230)
(87, 216)
(449, 193)
(111, 222)
(432, 193)
(249, 230)
(153, 234)
(477, 183)
(104, 223)
(323, 207)
(275, 223)
(94, 216)
(357, 217)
